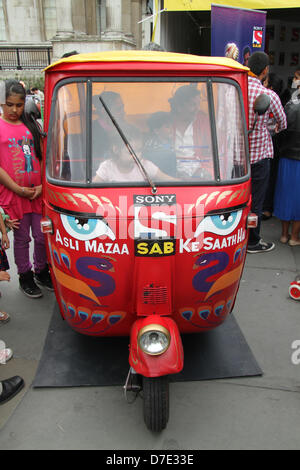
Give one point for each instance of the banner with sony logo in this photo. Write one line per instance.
(237, 32)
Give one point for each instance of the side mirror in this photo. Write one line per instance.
(261, 106)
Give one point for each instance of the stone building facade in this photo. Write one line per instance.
(28, 27)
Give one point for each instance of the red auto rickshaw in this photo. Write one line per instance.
(146, 202)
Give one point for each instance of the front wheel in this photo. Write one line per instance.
(156, 402)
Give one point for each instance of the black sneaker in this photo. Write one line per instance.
(261, 247)
(28, 286)
(43, 279)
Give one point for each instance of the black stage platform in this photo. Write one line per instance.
(70, 359)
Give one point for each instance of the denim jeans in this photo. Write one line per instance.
(260, 174)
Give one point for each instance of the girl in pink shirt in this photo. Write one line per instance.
(21, 188)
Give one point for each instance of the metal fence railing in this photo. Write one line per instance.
(20, 58)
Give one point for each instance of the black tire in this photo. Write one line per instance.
(156, 402)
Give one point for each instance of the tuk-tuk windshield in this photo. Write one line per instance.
(183, 132)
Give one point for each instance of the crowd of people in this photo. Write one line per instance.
(274, 154)
(275, 171)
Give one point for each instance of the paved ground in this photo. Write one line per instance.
(249, 413)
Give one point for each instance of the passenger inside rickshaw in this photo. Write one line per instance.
(158, 145)
(121, 165)
(191, 133)
(174, 119)
(103, 129)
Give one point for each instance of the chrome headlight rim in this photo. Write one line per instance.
(154, 328)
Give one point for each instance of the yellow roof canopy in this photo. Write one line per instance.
(147, 56)
(203, 5)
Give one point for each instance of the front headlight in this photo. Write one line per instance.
(154, 339)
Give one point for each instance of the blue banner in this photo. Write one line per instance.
(237, 32)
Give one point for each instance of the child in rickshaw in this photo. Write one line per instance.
(122, 167)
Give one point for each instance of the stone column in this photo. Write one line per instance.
(113, 18)
(64, 19)
(114, 15)
(136, 15)
(118, 23)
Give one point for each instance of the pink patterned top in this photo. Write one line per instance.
(18, 159)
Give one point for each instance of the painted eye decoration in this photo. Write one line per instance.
(86, 229)
(223, 224)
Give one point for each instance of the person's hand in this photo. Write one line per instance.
(27, 192)
(5, 241)
(12, 223)
(4, 276)
(37, 192)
